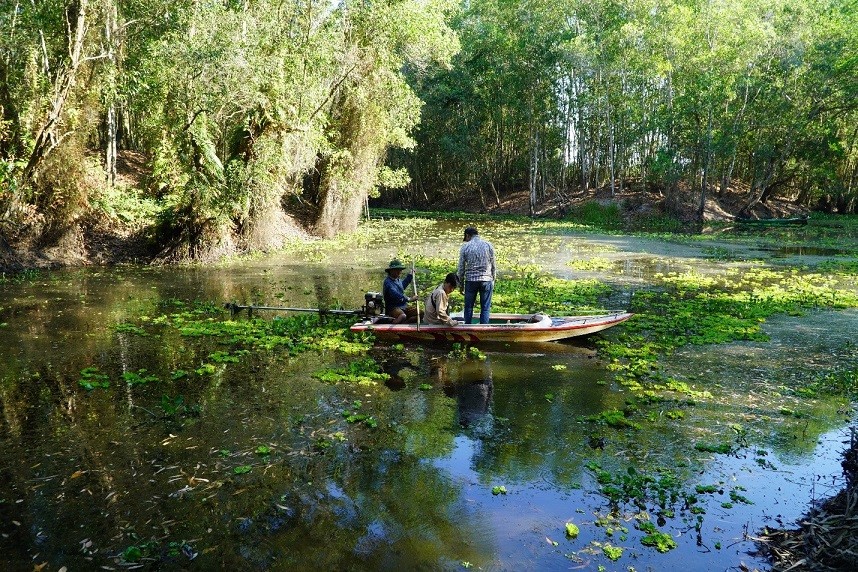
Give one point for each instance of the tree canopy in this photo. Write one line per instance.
(250, 115)
(688, 95)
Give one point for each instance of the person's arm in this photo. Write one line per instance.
(460, 269)
(492, 259)
(442, 303)
(405, 283)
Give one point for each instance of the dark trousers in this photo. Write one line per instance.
(485, 289)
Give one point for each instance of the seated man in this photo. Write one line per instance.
(438, 302)
(395, 300)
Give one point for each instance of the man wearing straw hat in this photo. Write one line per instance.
(395, 300)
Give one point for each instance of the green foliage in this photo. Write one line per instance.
(613, 418)
(175, 406)
(591, 264)
(572, 530)
(26, 275)
(132, 554)
(597, 215)
(141, 376)
(241, 108)
(91, 378)
(580, 85)
(613, 553)
(130, 328)
(352, 416)
(661, 541)
(737, 497)
(125, 205)
(661, 486)
(464, 352)
(696, 309)
(295, 334)
(362, 372)
(721, 448)
(234, 103)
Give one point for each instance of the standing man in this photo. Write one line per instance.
(477, 274)
(395, 299)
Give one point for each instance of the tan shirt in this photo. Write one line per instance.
(436, 308)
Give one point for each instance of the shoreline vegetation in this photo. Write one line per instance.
(827, 539)
(113, 236)
(156, 132)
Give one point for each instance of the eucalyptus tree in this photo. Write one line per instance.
(61, 67)
(251, 105)
(374, 108)
(487, 128)
(692, 96)
(808, 107)
(225, 103)
(47, 53)
(241, 107)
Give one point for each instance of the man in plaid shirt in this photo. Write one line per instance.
(477, 273)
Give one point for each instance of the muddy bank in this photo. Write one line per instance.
(827, 539)
(101, 240)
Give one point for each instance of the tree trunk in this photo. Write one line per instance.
(761, 185)
(110, 32)
(610, 144)
(532, 175)
(47, 140)
(339, 211)
(704, 182)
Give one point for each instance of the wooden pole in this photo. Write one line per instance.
(416, 297)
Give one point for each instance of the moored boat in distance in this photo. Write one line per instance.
(501, 328)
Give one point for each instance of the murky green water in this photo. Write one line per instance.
(254, 467)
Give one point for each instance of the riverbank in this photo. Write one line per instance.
(106, 239)
(827, 538)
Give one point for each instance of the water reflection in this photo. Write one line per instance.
(255, 466)
(471, 385)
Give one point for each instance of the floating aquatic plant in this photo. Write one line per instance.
(572, 530)
(363, 372)
(91, 378)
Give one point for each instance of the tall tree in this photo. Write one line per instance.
(689, 95)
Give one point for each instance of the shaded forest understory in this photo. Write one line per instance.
(105, 240)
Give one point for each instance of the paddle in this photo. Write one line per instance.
(416, 298)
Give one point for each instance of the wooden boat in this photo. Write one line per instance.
(501, 328)
(773, 221)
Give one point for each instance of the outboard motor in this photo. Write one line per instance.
(373, 304)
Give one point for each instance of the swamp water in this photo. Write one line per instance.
(457, 460)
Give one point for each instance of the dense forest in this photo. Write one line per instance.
(250, 120)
